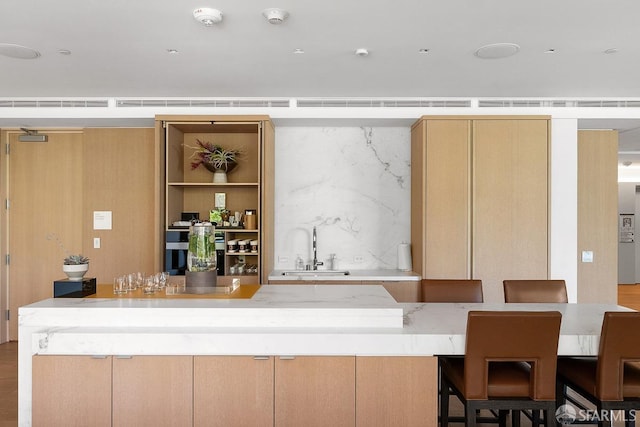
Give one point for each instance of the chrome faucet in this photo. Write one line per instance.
(316, 263)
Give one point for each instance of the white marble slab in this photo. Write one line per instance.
(192, 327)
(354, 275)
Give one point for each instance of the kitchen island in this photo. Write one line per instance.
(367, 356)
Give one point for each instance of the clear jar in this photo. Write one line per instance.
(202, 247)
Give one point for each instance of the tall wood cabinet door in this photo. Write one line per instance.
(598, 215)
(233, 391)
(510, 202)
(396, 391)
(315, 391)
(153, 391)
(71, 391)
(447, 192)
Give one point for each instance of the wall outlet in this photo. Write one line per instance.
(358, 259)
(283, 259)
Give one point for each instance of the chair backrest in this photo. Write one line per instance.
(619, 343)
(535, 291)
(512, 336)
(452, 290)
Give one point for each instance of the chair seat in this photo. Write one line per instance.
(582, 372)
(506, 379)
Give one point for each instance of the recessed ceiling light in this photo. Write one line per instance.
(627, 163)
(207, 16)
(611, 50)
(18, 52)
(298, 51)
(423, 50)
(361, 52)
(497, 50)
(550, 51)
(64, 51)
(172, 51)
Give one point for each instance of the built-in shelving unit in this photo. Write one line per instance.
(249, 186)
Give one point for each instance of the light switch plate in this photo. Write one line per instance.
(96, 243)
(587, 256)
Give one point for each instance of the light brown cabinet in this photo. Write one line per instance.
(480, 199)
(250, 185)
(152, 390)
(396, 391)
(315, 391)
(234, 391)
(71, 391)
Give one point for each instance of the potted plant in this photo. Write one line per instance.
(215, 158)
(75, 267)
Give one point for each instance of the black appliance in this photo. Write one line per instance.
(176, 248)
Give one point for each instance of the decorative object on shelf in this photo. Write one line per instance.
(216, 159)
(75, 267)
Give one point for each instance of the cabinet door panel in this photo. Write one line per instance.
(447, 190)
(396, 391)
(71, 391)
(510, 208)
(153, 391)
(315, 391)
(233, 391)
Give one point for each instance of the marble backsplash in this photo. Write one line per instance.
(353, 184)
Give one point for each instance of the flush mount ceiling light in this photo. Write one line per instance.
(18, 52)
(274, 15)
(611, 51)
(497, 50)
(207, 16)
(361, 52)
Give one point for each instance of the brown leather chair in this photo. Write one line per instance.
(535, 291)
(509, 364)
(452, 290)
(612, 381)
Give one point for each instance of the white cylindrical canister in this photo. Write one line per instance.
(404, 257)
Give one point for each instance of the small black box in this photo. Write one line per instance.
(65, 288)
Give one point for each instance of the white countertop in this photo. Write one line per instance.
(354, 275)
(278, 320)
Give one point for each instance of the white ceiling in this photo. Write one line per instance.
(120, 49)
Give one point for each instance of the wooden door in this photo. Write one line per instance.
(510, 202)
(315, 391)
(597, 215)
(153, 391)
(71, 391)
(45, 196)
(233, 391)
(396, 391)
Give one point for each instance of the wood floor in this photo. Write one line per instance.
(628, 296)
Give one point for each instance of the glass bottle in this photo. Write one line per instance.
(202, 247)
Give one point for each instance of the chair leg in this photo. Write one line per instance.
(630, 418)
(444, 402)
(470, 414)
(515, 418)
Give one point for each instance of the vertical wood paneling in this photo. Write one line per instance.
(120, 174)
(418, 198)
(510, 208)
(598, 215)
(447, 200)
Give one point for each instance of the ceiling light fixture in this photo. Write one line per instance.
(298, 51)
(172, 51)
(275, 16)
(627, 163)
(611, 50)
(423, 50)
(207, 16)
(18, 52)
(361, 52)
(64, 51)
(497, 50)
(550, 51)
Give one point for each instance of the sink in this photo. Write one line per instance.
(316, 273)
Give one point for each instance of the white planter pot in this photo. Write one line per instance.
(75, 272)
